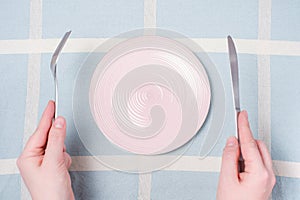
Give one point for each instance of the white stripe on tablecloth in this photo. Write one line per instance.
(217, 45)
(149, 13)
(185, 163)
(287, 169)
(8, 166)
(264, 80)
(33, 80)
(144, 191)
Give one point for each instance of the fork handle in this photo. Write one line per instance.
(55, 97)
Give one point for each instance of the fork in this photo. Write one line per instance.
(53, 66)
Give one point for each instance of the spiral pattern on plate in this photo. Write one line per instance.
(149, 95)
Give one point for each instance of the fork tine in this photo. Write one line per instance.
(59, 48)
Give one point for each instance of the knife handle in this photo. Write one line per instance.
(241, 162)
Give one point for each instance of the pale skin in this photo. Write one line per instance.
(258, 179)
(44, 163)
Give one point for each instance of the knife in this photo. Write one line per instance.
(235, 85)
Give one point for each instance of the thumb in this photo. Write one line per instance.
(229, 168)
(55, 146)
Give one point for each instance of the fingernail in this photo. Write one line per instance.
(231, 141)
(59, 122)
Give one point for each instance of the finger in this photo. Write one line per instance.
(39, 139)
(229, 167)
(46, 120)
(68, 160)
(250, 152)
(266, 157)
(56, 139)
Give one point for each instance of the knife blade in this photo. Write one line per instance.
(236, 93)
(234, 73)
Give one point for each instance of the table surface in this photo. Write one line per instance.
(267, 35)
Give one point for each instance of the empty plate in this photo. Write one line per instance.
(149, 95)
(139, 98)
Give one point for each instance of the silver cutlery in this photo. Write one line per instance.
(236, 93)
(53, 67)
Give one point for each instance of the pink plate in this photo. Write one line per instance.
(149, 95)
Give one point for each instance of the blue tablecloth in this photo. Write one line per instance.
(267, 37)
